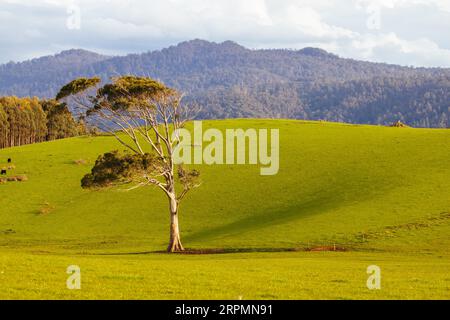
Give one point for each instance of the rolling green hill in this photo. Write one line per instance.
(381, 193)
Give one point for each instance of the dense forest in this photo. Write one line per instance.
(229, 80)
(30, 120)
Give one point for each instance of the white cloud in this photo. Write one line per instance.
(405, 34)
(389, 47)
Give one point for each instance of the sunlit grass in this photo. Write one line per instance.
(378, 192)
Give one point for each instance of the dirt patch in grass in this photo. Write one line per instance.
(203, 251)
(232, 250)
(207, 251)
(80, 162)
(18, 178)
(327, 248)
(249, 250)
(8, 231)
(46, 209)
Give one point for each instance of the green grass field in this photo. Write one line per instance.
(381, 193)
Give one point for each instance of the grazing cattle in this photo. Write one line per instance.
(9, 160)
(3, 172)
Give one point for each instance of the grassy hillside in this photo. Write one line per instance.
(335, 183)
(382, 191)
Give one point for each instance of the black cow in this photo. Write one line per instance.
(9, 160)
(3, 172)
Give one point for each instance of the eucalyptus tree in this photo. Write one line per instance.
(60, 121)
(22, 121)
(144, 116)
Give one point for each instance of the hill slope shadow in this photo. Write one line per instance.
(321, 201)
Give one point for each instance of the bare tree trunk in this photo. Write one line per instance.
(175, 239)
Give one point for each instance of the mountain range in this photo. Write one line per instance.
(230, 81)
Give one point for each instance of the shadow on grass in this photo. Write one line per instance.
(327, 199)
(269, 218)
(206, 251)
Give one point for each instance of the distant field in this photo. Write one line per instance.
(380, 193)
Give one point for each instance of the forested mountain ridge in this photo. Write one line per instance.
(229, 80)
(42, 77)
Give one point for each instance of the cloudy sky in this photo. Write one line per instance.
(406, 32)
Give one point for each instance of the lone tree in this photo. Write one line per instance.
(143, 116)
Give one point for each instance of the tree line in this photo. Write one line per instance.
(31, 120)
